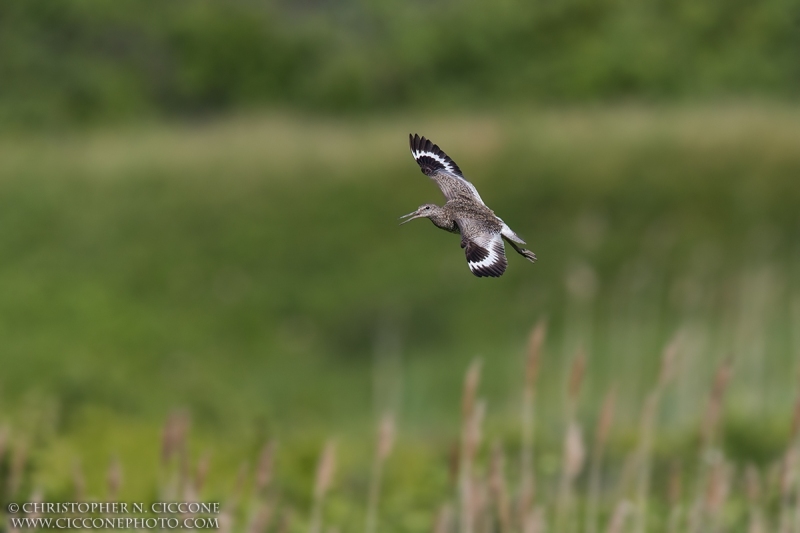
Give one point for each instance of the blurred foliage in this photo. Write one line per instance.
(226, 265)
(78, 61)
(251, 271)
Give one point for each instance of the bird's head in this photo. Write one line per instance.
(424, 211)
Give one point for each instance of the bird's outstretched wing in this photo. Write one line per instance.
(441, 169)
(486, 255)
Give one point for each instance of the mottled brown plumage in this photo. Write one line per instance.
(482, 232)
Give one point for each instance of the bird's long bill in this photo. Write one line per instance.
(409, 217)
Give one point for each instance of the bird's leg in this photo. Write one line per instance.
(527, 254)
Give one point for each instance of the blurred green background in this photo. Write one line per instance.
(83, 61)
(199, 203)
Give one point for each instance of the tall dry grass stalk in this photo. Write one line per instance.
(4, 434)
(174, 449)
(714, 409)
(674, 498)
(481, 515)
(176, 429)
(201, 472)
(114, 479)
(527, 486)
(499, 488)
(18, 461)
(443, 523)
(535, 521)
(708, 455)
(788, 480)
(472, 412)
(473, 491)
(36, 497)
(261, 518)
(485, 503)
(604, 423)
(755, 514)
(326, 469)
(265, 468)
(231, 506)
(287, 519)
(261, 504)
(386, 434)
(78, 481)
(719, 483)
(619, 517)
(574, 451)
(647, 430)
(794, 443)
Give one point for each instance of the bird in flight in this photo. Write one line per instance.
(482, 232)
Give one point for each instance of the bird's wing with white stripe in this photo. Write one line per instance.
(441, 169)
(486, 255)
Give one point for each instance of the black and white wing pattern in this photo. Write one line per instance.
(441, 169)
(486, 255)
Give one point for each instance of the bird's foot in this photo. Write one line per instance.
(530, 256)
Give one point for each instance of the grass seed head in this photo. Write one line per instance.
(796, 418)
(114, 478)
(718, 486)
(499, 487)
(37, 496)
(444, 520)
(471, 381)
(535, 342)
(674, 487)
(4, 433)
(575, 451)
(78, 481)
(287, 519)
(238, 486)
(201, 473)
(752, 484)
(576, 374)
(325, 469)
(386, 435)
(669, 361)
(606, 417)
(261, 518)
(714, 408)
(534, 521)
(19, 459)
(265, 466)
(174, 435)
(473, 435)
(619, 517)
(788, 471)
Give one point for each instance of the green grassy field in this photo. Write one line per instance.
(251, 271)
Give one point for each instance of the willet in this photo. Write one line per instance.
(482, 232)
